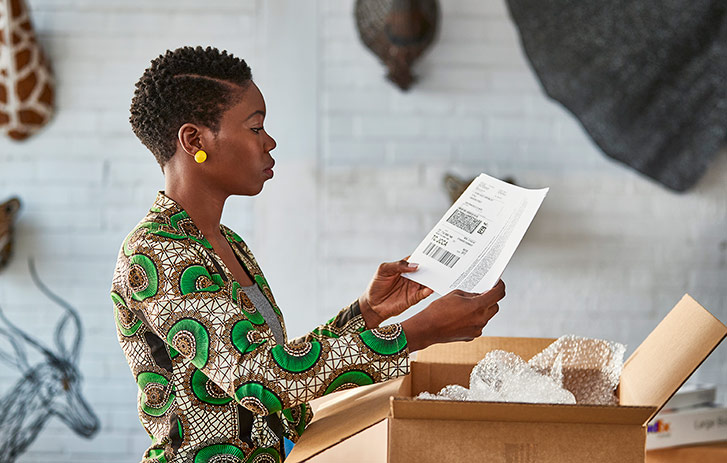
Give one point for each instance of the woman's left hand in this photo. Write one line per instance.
(389, 293)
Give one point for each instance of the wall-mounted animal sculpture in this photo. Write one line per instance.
(8, 212)
(49, 388)
(26, 82)
(398, 32)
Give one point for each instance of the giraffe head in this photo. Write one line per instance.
(26, 82)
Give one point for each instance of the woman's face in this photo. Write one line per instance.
(242, 147)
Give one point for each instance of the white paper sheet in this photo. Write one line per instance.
(471, 245)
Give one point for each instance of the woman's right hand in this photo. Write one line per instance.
(458, 316)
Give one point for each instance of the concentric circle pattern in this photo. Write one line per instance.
(258, 398)
(349, 380)
(220, 453)
(245, 337)
(239, 296)
(157, 394)
(190, 338)
(268, 455)
(207, 391)
(126, 321)
(195, 279)
(296, 358)
(143, 278)
(386, 340)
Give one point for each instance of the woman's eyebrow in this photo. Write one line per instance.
(259, 111)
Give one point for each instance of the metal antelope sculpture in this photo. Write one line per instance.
(49, 388)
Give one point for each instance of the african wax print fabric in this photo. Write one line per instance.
(213, 383)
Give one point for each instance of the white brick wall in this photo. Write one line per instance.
(85, 180)
(609, 253)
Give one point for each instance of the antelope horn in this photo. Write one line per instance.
(20, 360)
(25, 336)
(68, 354)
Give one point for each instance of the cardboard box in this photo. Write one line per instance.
(716, 453)
(685, 427)
(383, 422)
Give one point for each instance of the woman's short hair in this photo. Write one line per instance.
(194, 85)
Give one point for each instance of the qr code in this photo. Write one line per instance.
(464, 220)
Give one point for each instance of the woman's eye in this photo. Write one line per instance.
(256, 129)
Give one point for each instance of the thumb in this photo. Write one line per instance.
(406, 266)
(395, 268)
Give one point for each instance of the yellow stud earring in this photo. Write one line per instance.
(200, 156)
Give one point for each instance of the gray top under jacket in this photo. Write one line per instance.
(266, 310)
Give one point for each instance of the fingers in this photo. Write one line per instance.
(490, 312)
(484, 305)
(395, 268)
(485, 313)
(483, 316)
(460, 293)
(407, 266)
(495, 294)
(466, 314)
(423, 293)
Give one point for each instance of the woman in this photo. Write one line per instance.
(218, 379)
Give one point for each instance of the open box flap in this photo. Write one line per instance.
(413, 409)
(471, 352)
(349, 413)
(669, 355)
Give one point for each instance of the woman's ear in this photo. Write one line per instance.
(190, 138)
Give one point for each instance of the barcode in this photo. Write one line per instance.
(441, 255)
(464, 220)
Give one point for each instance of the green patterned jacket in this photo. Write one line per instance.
(213, 383)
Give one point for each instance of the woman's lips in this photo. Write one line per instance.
(269, 170)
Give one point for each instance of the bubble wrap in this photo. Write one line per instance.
(451, 392)
(590, 368)
(505, 377)
(571, 370)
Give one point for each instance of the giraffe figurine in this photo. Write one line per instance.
(26, 82)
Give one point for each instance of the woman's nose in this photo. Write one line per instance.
(270, 142)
